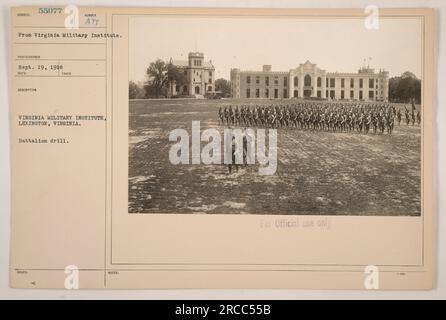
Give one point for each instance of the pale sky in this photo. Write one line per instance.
(336, 45)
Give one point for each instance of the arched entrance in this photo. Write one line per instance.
(197, 90)
(307, 86)
(307, 93)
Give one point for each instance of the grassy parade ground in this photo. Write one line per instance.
(318, 172)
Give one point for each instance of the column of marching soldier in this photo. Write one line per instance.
(336, 117)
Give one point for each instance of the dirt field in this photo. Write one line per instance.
(318, 172)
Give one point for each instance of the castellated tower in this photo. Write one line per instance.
(196, 63)
(199, 74)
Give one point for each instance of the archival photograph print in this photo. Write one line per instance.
(275, 115)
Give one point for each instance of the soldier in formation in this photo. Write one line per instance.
(335, 117)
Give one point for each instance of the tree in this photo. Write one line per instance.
(133, 90)
(150, 91)
(136, 90)
(224, 86)
(408, 74)
(161, 77)
(405, 88)
(157, 78)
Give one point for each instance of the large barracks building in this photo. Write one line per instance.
(309, 81)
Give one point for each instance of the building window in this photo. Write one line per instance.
(360, 95)
(248, 79)
(307, 81)
(371, 83)
(257, 93)
(332, 94)
(352, 94)
(285, 81)
(319, 94)
(276, 80)
(177, 88)
(266, 93)
(276, 93)
(342, 83)
(319, 82)
(326, 83)
(342, 94)
(360, 83)
(185, 89)
(210, 80)
(257, 80)
(371, 94)
(326, 93)
(296, 81)
(209, 88)
(296, 93)
(248, 93)
(285, 93)
(352, 83)
(210, 73)
(332, 83)
(267, 81)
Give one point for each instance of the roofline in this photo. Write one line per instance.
(258, 72)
